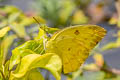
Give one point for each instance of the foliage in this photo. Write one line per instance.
(60, 13)
(70, 12)
(37, 53)
(12, 16)
(29, 57)
(17, 27)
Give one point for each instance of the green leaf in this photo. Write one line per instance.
(79, 18)
(80, 78)
(29, 47)
(110, 45)
(13, 17)
(4, 48)
(77, 75)
(118, 77)
(11, 9)
(3, 23)
(91, 75)
(0, 76)
(33, 74)
(18, 29)
(6, 69)
(48, 61)
(66, 10)
(27, 21)
(5, 45)
(3, 31)
(94, 75)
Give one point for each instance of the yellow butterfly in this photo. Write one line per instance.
(73, 44)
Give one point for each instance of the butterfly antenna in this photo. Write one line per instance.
(37, 21)
(39, 24)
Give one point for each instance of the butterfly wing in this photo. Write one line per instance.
(73, 44)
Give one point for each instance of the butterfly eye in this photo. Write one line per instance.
(49, 35)
(69, 49)
(76, 32)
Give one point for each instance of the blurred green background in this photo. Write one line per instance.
(104, 62)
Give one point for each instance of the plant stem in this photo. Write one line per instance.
(2, 75)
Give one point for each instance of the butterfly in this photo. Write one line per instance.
(73, 44)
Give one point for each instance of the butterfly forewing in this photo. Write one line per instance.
(74, 44)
